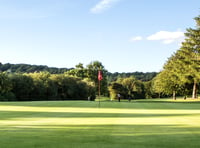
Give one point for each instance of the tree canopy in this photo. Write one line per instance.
(183, 68)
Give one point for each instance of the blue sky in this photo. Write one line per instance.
(125, 35)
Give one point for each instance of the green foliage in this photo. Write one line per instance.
(71, 87)
(5, 85)
(9, 96)
(91, 73)
(115, 88)
(40, 83)
(138, 75)
(22, 86)
(43, 86)
(79, 71)
(189, 54)
(5, 88)
(127, 87)
(149, 91)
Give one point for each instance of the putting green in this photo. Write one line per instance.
(83, 124)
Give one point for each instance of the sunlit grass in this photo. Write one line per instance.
(114, 124)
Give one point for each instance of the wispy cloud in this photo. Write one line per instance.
(166, 37)
(137, 38)
(103, 5)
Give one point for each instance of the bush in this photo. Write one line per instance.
(2, 98)
(9, 96)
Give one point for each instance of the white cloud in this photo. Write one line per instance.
(103, 5)
(137, 38)
(167, 37)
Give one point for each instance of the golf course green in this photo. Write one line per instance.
(82, 124)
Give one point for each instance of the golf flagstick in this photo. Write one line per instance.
(100, 77)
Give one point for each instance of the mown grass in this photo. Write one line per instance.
(82, 124)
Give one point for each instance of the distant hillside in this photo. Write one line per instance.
(27, 68)
(138, 75)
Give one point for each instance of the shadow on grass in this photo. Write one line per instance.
(100, 136)
(5, 115)
(135, 104)
(172, 101)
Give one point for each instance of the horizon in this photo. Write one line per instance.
(124, 35)
(74, 68)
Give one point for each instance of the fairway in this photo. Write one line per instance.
(81, 124)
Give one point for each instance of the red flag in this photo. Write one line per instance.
(100, 77)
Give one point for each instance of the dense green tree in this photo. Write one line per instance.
(43, 87)
(72, 87)
(91, 88)
(149, 92)
(189, 56)
(127, 87)
(115, 88)
(22, 86)
(79, 71)
(5, 85)
(92, 74)
(166, 83)
(170, 81)
(138, 75)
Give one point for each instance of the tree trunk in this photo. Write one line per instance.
(194, 92)
(174, 95)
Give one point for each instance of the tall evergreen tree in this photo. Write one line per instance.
(189, 55)
(183, 67)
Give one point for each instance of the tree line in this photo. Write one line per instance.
(43, 86)
(27, 68)
(76, 83)
(138, 75)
